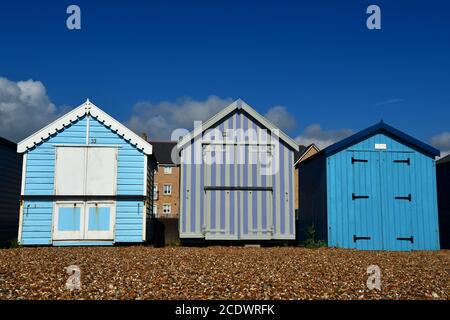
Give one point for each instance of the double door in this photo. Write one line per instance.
(237, 195)
(381, 201)
(78, 220)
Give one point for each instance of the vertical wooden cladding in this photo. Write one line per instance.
(235, 200)
(380, 194)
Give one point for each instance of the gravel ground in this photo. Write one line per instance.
(139, 272)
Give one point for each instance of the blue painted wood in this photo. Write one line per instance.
(99, 219)
(69, 219)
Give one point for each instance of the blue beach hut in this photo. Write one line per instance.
(86, 180)
(375, 190)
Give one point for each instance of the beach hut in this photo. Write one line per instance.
(10, 177)
(443, 191)
(86, 180)
(237, 178)
(375, 190)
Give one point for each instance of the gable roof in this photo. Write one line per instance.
(298, 156)
(443, 160)
(77, 113)
(380, 127)
(163, 151)
(236, 105)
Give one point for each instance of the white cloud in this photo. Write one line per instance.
(442, 142)
(24, 108)
(322, 138)
(160, 119)
(390, 101)
(280, 117)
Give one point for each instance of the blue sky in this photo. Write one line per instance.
(149, 63)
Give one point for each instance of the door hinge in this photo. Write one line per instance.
(407, 239)
(355, 238)
(403, 161)
(359, 197)
(409, 198)
(358, 160)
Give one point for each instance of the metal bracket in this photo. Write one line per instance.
(409, 198)
(355, 238)
(407, 239)
(407, 161)
(359, 197)
(358, 160)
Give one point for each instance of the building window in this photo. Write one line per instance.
(167, 208)
(167, 189)
(155, 192)
(167, 170)
(155, 209)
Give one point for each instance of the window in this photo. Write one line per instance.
(167, 189)
(155, 209)
(167, 170)
(167, 208)
(155, 192)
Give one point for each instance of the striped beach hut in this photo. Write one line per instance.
(86, 180)
(375, 190)
(237, 178)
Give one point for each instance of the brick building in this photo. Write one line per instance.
(167, 181)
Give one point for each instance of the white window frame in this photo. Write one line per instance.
(155, 191)
(166, 205)
(155, 209)
(167, 170)
(170, 189)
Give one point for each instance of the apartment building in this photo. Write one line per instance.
(167, 181)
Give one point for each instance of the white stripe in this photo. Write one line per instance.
(278, 195)
(188, 189)
(287, 194)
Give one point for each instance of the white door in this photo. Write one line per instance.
(101, 171)
(100, 218)
(68, 221)
(70, 171)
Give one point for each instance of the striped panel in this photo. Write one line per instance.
(243, 214)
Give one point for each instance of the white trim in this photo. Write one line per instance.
(144, 222)
(72, 116)
(22, 192)
(19, 235)
(304, 153)
(24, 171)
(145, 175)
(238, 104)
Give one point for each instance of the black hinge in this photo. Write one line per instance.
(403, 161)
(358, 160)
(355, 238)
(359, 197)
(405, 198)
(407, 239)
